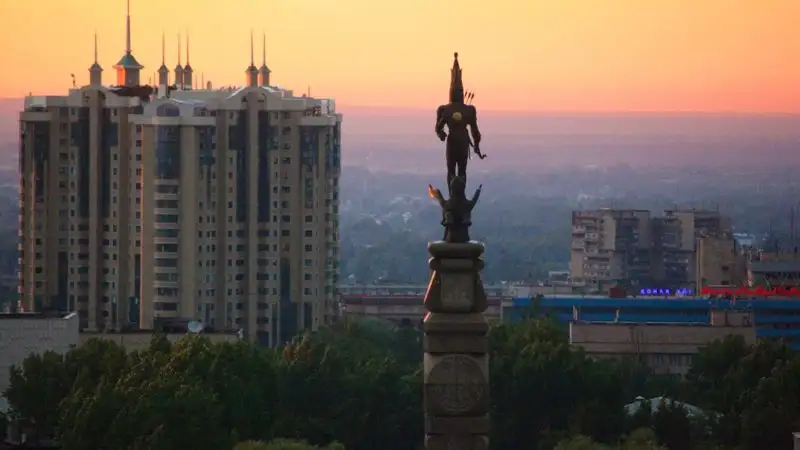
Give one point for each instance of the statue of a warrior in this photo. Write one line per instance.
(457, 116)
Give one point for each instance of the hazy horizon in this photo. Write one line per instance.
(402, 139)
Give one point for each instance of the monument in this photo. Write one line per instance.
(455, 362)
(458, 116)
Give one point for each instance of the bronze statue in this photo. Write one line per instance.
(457, 210)
(458, 115)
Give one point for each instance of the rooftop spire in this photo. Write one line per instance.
(163, 71)
(127, 67)
(128, 29)
(252, 71)
(252, 56)
(95, 71)
(187, 69)
(179, 68)
(264, 70)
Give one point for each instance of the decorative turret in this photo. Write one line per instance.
(187, 69)
(163, 71)
(128, 68)
(179, 68)
(252, 71)
(264, 70)
(95, 72)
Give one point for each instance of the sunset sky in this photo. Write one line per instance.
(565, 55)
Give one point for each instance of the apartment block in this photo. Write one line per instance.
(176, 202)
(610, 245)
(635, 248)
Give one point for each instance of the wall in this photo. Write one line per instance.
(141, 340)
(665, 348)
(24, 334)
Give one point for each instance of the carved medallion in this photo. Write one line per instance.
(457, 116)
(456, 384)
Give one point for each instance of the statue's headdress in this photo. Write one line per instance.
(456, 85)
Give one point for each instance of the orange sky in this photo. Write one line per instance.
(588, 55)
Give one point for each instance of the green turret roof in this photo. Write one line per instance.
(128, 62)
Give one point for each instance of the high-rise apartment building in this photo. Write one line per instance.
(610, 245)
(631, 247)
(140, 204)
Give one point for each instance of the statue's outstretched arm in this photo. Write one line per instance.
(473, 127)
(440, 122)
(477, 195)
(436, 194)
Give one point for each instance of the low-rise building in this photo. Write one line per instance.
(666, 348)
(22, 334)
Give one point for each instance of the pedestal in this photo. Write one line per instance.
(456, 364)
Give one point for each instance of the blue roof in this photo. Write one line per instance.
(658, 303)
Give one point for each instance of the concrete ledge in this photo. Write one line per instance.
(469, 250)
(471, 323)
(447, 343)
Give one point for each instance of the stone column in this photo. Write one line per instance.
(456, 363)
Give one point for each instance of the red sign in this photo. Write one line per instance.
(742, 291)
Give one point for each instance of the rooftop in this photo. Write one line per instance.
(128, 62)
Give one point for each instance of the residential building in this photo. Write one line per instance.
(610, 245)
(696, 224)
(140, 204)
(719, 263)
(634, 248)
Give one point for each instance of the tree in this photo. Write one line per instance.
(36, 388)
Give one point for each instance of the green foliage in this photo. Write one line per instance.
(359, 384)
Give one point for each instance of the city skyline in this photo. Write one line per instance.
(570, 56)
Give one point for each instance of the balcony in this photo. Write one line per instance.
(578, 230)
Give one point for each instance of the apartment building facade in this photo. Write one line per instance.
(140, 204)
(635, 248)
(610, 245)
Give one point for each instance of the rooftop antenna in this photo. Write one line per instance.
(195, 327)
(73, 79)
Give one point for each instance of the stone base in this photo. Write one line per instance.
(457, 442)
(456, 364)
